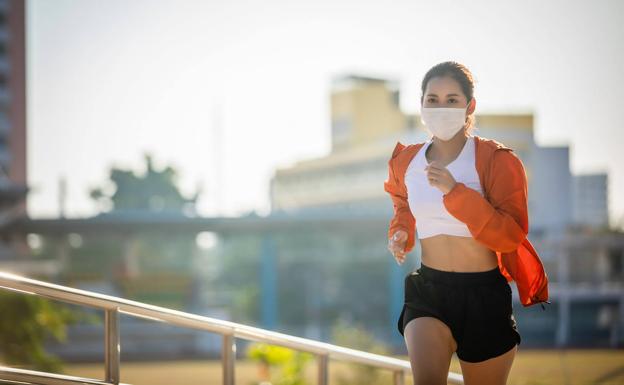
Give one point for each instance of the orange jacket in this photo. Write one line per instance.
(498, 219)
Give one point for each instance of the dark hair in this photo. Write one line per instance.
(461, 74)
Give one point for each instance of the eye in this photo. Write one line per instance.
(452, 100)
(431, 100)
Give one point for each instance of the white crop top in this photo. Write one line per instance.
(425, 200)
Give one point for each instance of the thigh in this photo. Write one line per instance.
(430, 346)
(490, 329)
(493, 371)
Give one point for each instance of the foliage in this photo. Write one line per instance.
(156, 190)
(290, 362)
(24, 327)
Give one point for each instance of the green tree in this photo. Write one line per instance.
(24, 329)
(166, 257)
(155, 190)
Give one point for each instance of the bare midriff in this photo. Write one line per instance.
(455, 253)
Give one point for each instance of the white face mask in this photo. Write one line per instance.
(443, 122)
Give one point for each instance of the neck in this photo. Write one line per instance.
(451, 147)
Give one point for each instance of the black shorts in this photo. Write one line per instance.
(476, 306)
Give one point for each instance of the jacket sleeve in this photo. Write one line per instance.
(500, 222)
(402, 218)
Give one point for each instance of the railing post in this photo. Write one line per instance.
(228, 357)
(323, 374)
(399, 377)
(111, 345)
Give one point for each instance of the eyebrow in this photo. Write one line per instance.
(446, 95)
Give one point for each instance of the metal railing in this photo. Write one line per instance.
(113, 306)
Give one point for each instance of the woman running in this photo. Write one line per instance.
(465, 197)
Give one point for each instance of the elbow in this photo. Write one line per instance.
(509, 248)
(511, 243)
(502, 242)
(507, 236)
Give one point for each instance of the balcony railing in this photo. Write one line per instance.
(113, 306)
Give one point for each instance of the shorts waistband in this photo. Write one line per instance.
(461, 277)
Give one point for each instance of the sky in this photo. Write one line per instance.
(228, 91)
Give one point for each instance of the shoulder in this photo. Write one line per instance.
(503, 158)
(506, 164)
(498, 151)
(397, 149)
(491, 144)
(401, 148)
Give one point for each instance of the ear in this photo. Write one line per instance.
(471, 106)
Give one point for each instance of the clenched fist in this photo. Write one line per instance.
(439, 176)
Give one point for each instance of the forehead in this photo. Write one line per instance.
(442, 85)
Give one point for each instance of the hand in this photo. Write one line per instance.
(440, 177)
(396, 245)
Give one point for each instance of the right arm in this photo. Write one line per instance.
(402, 218)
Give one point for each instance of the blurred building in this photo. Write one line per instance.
(590, 197)
(13, 167)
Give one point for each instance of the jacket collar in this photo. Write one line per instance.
(402, 155)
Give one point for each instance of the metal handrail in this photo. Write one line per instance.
(228, 330)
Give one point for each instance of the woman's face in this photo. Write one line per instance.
(444, 91)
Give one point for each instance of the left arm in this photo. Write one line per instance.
(501, 223)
